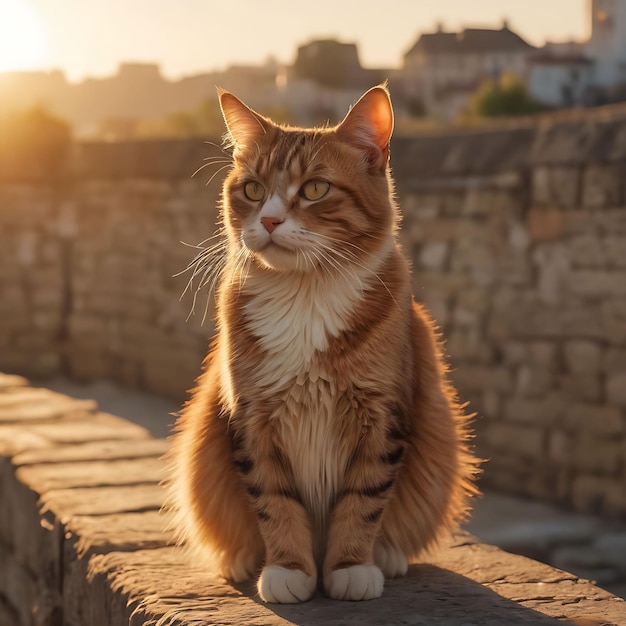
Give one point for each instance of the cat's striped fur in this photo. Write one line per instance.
(323, 438)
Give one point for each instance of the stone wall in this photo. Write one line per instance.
(518, 241)
(83, 542)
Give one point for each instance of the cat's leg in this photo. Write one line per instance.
(213, 515)
(290, 573)
(350, 571)
(436, 477)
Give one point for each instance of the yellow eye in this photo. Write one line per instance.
(254, 191)
(314, 190)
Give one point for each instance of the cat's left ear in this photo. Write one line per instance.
(368, 126)
(245, 127)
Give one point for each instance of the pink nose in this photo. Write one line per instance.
(270, 223)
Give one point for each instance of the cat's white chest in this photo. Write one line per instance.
(293, 317)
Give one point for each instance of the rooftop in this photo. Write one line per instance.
(470, 41)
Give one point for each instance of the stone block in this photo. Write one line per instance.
(534, 381)
(541, 188)
(597, 455)
(613, 321)
(582, 357)
(124, 531)
(588, 493)
(491, 405)
(598, 284)
(482, 378)
(543, 354)
(565, 186)
(614, 360)
(560, 444)
(582, 386)
(66, 475)
(593, 418)
(433, 256)
(601, 186)
(556, 186)
(468, 344)
(615, 250)
(610, 221)
(545, 224)
(552, 263)
(524, 440)
(616, 389)
(588, 251)
(514, 352)
(543, 411)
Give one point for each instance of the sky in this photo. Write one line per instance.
(185, 37)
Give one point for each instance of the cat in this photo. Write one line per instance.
(323, 439)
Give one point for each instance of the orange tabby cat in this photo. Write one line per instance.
(323, 438)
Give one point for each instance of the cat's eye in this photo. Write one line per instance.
(254, 191)
(314, 189)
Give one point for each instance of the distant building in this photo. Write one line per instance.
(334, 64)
(584, 74)
(607, 45)
(561, 80)
(442, 69)
(324, 80)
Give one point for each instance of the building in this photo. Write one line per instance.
(593, 73)
(324, 80)
(607, 45)
(561, 80)
(443, 69)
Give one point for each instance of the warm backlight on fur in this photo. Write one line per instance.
(323, 443)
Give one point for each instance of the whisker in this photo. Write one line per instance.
(216, 173)
(351, 258)
(220, 148)
(208, 266)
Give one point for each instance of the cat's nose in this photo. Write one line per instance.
(270, 223)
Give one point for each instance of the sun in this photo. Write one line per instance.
(23, 43)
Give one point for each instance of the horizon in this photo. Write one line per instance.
(40, 35)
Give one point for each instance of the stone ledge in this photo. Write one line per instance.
(82, 542)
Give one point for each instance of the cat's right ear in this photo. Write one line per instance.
(245, 127)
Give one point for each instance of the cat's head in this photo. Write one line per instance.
(307, 199)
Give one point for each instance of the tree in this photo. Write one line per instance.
(507, 96)
(34, 143)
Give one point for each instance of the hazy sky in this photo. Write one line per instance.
(90, 37)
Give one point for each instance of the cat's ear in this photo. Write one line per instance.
(368, 126)
(245, 127)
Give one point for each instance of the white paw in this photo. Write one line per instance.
(359, 582)
(391, 561)
(285, 586)
(242, 567)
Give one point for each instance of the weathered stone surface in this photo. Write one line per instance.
(8, 381)
(124, 531)
(24, 403)
(545, 224)
(94, 451)
(90, 501)
(616, 388)
(64, 475)
(462, 585)
(106, 548)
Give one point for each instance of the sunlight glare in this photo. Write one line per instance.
(23, 43)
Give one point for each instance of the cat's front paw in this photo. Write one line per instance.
(285, 586)
(391, 561)
(358, 582)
